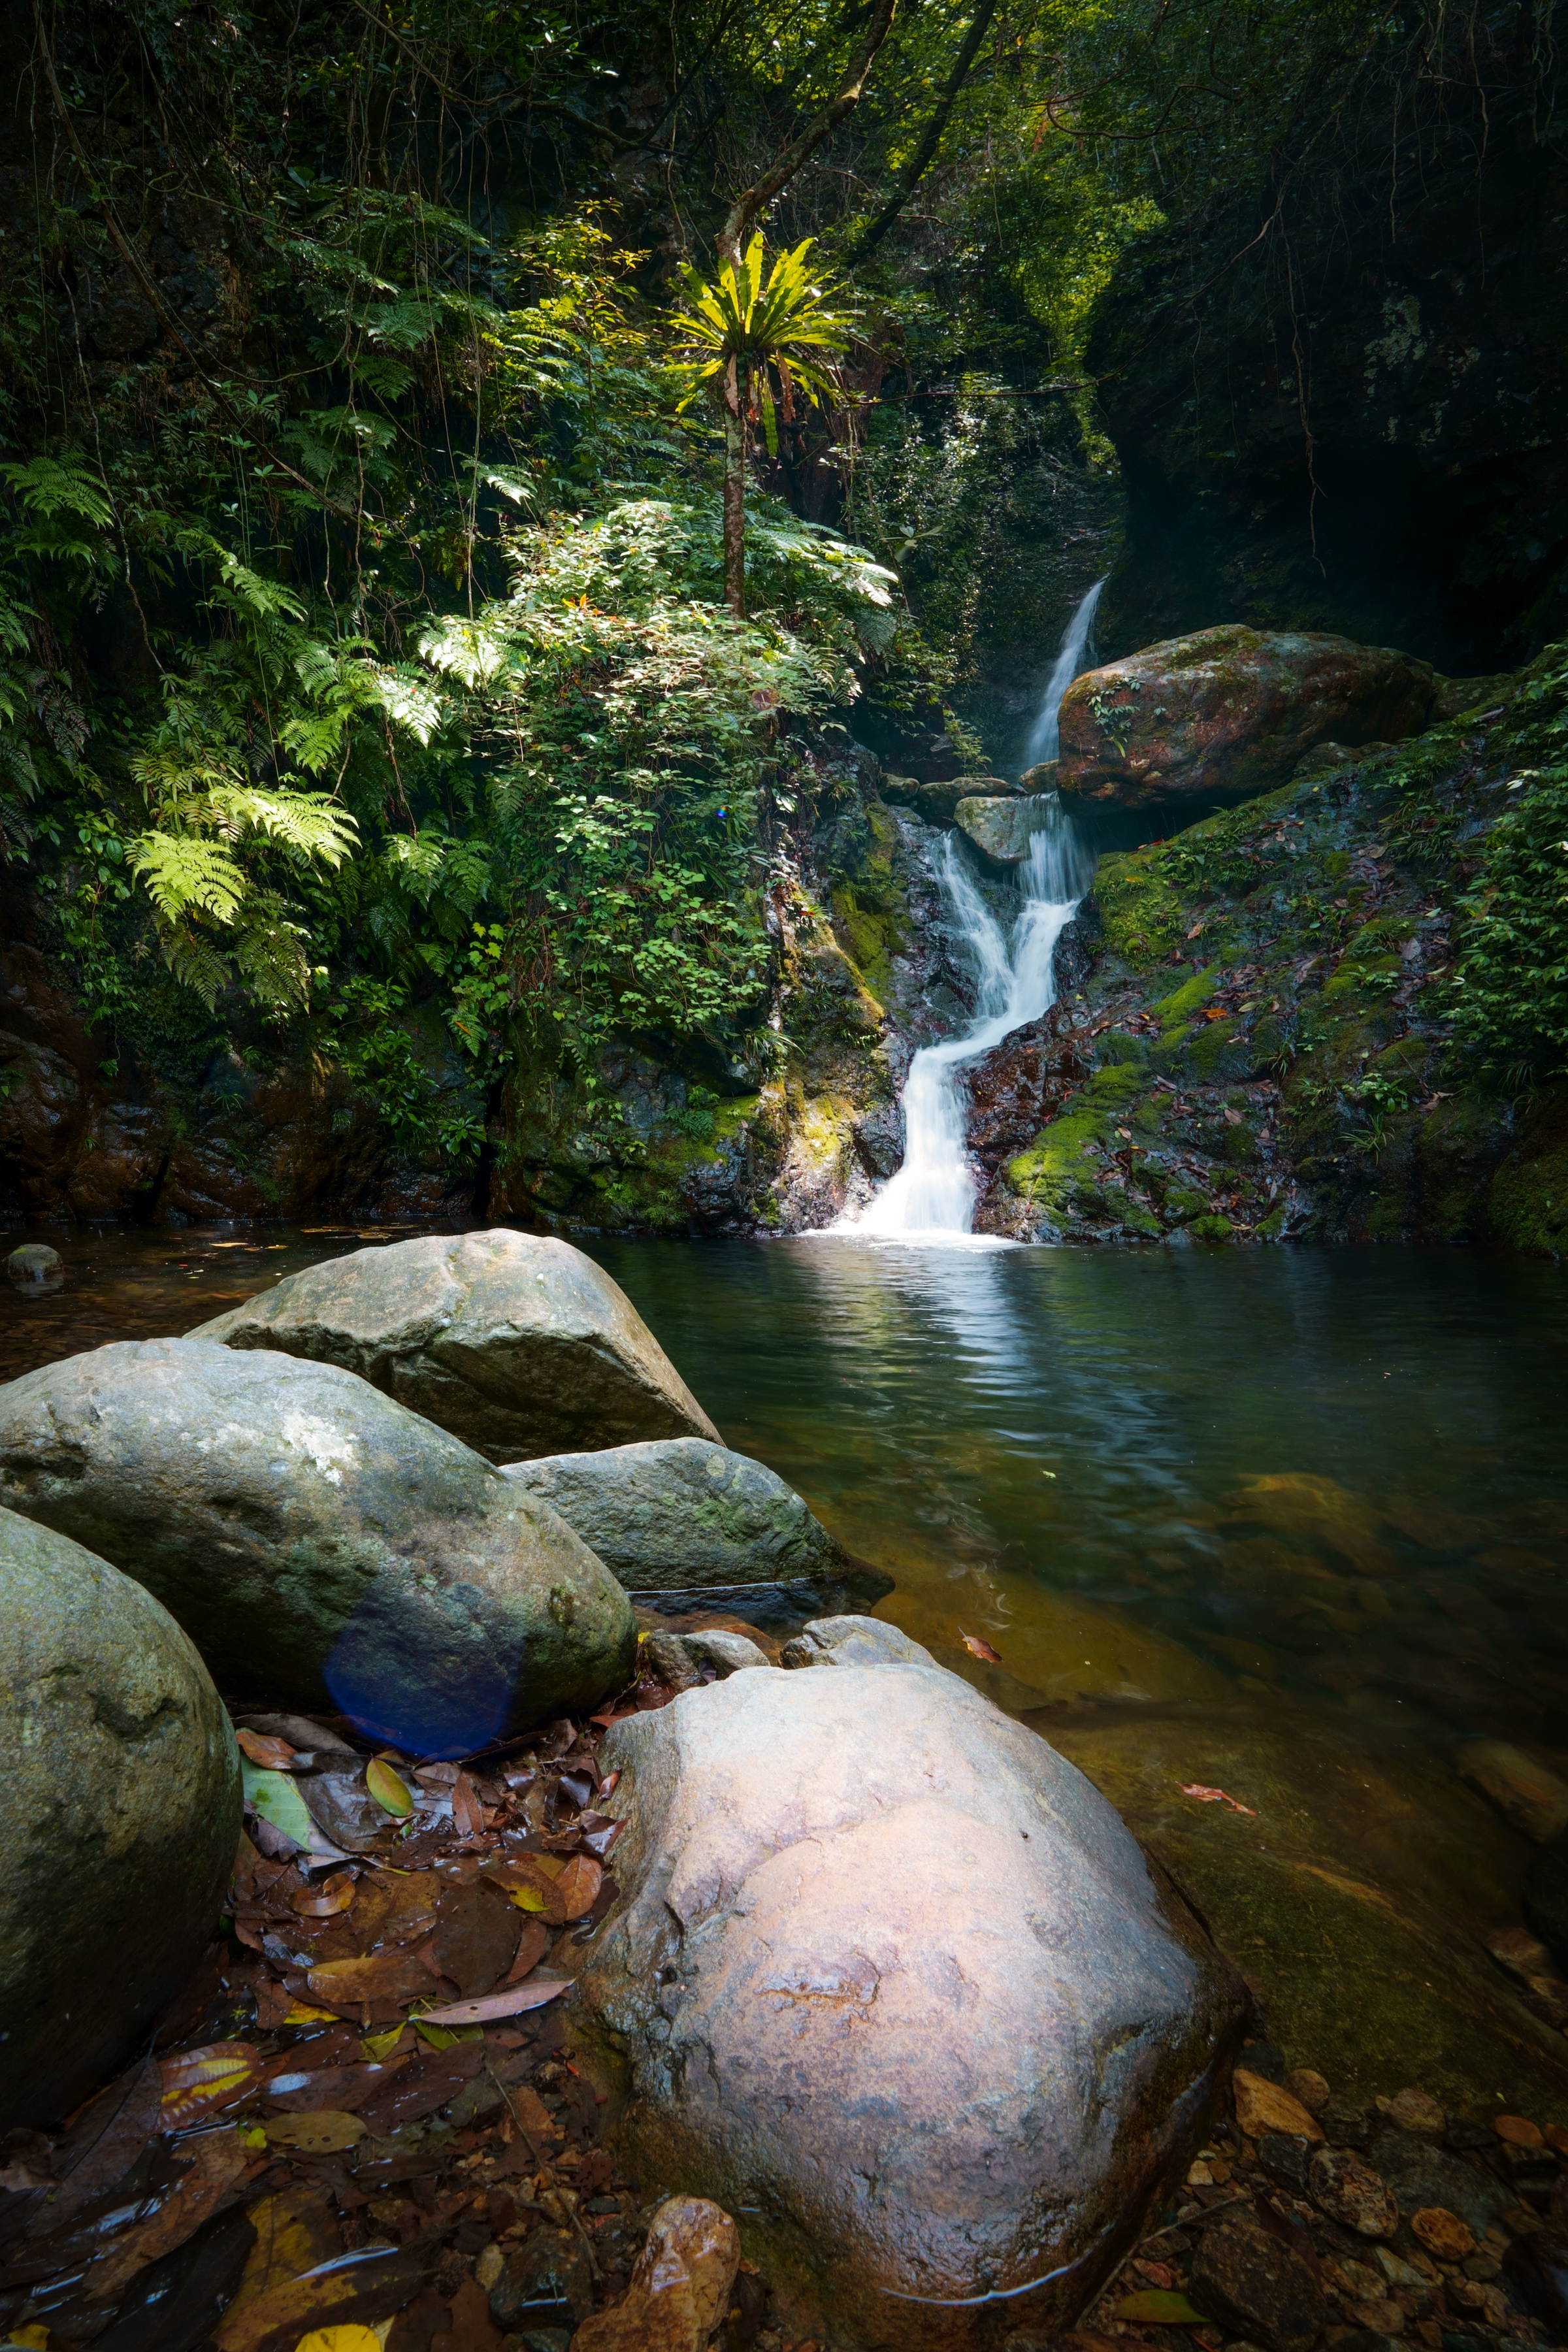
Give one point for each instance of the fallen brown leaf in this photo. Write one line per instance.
(978, 1648)
(217, 2160)
(324, 1901)
(476, 1939)
(371, 1977)
(577, 1887)
(468, 1813)
(325, 2131)
(275, 1754)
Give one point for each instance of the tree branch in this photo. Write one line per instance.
(914, 171)
(744, 212)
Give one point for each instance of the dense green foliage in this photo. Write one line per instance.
(365, 675)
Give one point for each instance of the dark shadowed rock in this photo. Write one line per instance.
(516, 1343)
(1257, 2287)
(682, 1522)
(1419, 2176)
(892, 1977)
(1230, 712)
(118, 1817)
(318, 1542)
(1546, 1895)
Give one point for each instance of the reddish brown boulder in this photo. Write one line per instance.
(1228, 712)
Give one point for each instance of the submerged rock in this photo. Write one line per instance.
(685, 1523)
(1230, 712)
(890, 1976)
(118, 1817)
(680, 2293)
(1258, 2287)
(516, 1343)
(1546, 1895)
(317, 1541)
(36, 1266)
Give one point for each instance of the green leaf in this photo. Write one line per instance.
(275, 1797)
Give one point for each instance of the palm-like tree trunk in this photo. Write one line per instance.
(735, 397)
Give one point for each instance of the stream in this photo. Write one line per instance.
(1290, 1523)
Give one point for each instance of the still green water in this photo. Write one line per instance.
(1293, 1524)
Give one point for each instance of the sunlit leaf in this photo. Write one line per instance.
(387, 1790)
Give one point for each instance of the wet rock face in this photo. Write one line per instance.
(1229, 713)
(119, 1815)
(1261, 2289)
(517, 1344)
(683, 1522)
(319, 1543)
(1001, 829)
(892, 1976)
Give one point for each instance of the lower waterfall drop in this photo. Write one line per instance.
(933, 1192)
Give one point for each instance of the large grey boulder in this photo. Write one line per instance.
(687, 1525)
(1001, 830)
(892, 1979)
(515, 1342)
(318, 1542)
(120, 1814)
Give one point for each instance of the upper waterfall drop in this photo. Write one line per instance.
(1045, 739)
(932, 1197)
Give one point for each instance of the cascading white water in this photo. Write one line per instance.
(933, 1194)
(1044, 740)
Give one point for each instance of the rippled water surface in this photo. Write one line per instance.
(1321, 1497)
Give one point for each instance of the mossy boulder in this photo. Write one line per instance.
(1230, 712)
(690, 1524)
(515, 1342)
(319, 1544)
(120, 1810)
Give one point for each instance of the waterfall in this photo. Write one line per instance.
(1044, 740)
(933, 1194)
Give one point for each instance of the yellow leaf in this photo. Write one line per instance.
(303, 2014)
(342, 2339)
(325, 2132)
(386, 1788)
(527, 1898)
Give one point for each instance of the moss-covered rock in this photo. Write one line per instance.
(1264, 1043)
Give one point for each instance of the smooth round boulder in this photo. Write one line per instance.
(36, 1266)
(686, 1525)
(1230, 712)
(514, 1342)
(320, 1544)
(120, 1814)
(891, 1978)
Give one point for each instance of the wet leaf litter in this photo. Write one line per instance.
(359, 2124)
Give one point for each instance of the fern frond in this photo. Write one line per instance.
(183, 872)
(194, 962)
(269, 952)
